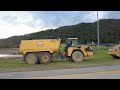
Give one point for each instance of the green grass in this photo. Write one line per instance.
(100, 58)
(62, 47)
(102, 48)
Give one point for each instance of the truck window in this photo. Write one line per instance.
(69, 43)
(75, 42)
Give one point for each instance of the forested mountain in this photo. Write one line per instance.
(86, 32)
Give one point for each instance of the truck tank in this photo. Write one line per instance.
(51, 45)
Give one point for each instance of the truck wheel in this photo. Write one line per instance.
(77, 56)
(45, 58)
(31, 58)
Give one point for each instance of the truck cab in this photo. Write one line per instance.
(72, 42)
(75, 51)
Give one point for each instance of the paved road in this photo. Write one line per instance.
(102, 72)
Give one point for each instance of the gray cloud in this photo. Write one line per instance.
(24, 22)
(62, 18)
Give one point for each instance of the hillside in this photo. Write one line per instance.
(86, 32)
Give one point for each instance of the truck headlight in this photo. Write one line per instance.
(88, 49)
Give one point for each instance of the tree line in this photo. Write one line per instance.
(86, 32)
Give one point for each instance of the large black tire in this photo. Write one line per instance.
(31, 58)
(45, 58)
(77, 56)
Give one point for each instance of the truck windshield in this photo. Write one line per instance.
(75, 42)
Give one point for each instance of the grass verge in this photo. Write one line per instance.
(100, 58)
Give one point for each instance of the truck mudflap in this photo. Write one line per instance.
(23, 58)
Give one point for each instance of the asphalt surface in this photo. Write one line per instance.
(102, 72)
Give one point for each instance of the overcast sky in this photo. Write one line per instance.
(25, 22)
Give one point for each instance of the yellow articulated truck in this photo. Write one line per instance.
(114, 51)
(42, 50)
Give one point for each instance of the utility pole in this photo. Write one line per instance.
(98, 31)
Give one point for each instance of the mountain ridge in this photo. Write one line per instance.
(86, 32)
